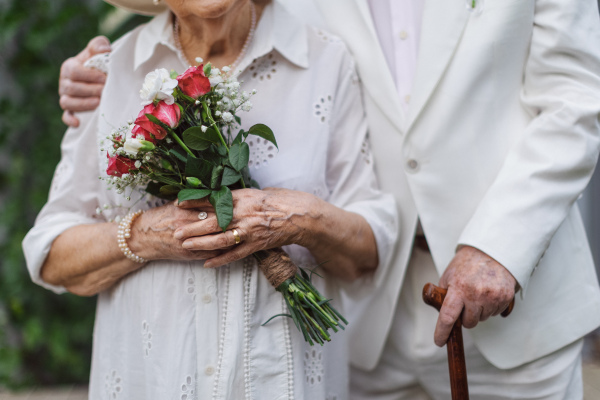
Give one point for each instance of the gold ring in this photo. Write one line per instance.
(236, 236)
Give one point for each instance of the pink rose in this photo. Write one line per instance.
(193, 82)
(119, 165)
(140, 133)
(167, 114)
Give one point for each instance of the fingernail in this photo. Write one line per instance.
(186, 245)
(178, 235)
(103, 48)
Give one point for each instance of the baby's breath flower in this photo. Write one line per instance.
(203, 128)
(247, 106)
(227, 116)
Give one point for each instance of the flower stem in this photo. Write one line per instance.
(180, 142)
(214, 125)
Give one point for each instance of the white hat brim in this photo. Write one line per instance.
(144, 7)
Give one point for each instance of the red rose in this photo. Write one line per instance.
(119, 165)
(139, 132)
(167, 114)
(193, 82)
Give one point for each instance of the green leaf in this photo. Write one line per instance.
(239, 154)
(178, 155)
(215, 178)
(222, 151)
(169, 189)
(193, 194)
(222, 201)
(212, 156)
(199, 168)
(158, 122)
(230, 176)
(239, 138)
(264, 132)
(195, 139)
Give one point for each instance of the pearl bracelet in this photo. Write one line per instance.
(124, 233)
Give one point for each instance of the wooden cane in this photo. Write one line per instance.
(434, 296)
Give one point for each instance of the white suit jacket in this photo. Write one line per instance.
(500, 139)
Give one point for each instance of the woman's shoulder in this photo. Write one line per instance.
(326, 46)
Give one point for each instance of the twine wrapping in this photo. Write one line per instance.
(277, 266)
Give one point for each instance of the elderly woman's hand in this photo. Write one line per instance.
(263, 219)
(273, 217)
(152, 235)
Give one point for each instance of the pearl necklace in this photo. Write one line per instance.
(244, 47)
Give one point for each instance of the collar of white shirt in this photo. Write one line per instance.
(277, 29)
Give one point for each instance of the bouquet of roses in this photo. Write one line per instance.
(184, 145)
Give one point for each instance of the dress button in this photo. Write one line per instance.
(209, 370)
(207, 298)
(407, 98)
(412, 165)
(403, 35)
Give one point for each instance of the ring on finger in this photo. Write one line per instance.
(236, 236)
(202, 215)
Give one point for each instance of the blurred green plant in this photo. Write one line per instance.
(44, 338)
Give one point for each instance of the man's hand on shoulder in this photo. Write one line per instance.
(80, 87)
(477, 284)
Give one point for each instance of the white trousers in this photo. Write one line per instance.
(413, 367)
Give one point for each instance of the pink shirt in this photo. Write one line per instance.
(398, 24)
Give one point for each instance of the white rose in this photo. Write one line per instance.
(158, 85)
(132, 146)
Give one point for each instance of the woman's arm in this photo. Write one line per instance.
(86, 259)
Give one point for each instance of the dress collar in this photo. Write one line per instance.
(277, 29)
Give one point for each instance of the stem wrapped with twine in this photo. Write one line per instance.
(310, 311)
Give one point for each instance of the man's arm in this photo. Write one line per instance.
(80, 87)
(544, 172)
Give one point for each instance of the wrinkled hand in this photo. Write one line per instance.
(80, 87)
(264, 219)
(476, 283)
(152, 235)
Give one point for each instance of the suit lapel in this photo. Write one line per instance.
(443, 25)
(351, 20)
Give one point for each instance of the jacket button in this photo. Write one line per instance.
(412, 165)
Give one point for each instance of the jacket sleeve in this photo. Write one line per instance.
(551, 163)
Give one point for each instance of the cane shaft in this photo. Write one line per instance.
(456, 364)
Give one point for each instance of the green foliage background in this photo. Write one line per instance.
(44, 338)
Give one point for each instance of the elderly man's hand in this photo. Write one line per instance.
(476, 283)
(80, 87)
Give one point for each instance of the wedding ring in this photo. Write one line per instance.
(236, 236)
(202, 215)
